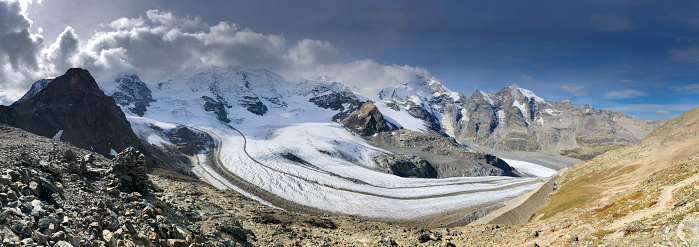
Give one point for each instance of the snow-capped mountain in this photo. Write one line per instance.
(512, 119)
(132, 93)
(36, 87)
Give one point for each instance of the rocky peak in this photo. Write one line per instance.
(517, 119)
(36, 87)
(74, 109)
(366, 121)
(132, 93)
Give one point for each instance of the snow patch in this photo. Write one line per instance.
(455, 96)
(113, 152)
(487, 98)
(530, 168)
(401, 118)
(521, 107)
(552, 112)
(58, 135)
(531, 95)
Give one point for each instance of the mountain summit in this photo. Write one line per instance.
(73, 108)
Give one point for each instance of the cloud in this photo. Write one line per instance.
(610, 23)
(624, 94)
(312, 52)
(367, 76)
(526, 78)
(654, 107)
(688, 89)
(577, 91)
(62, 54)
(662, 112)
(685, 55)
(160, 45)
(19, 50)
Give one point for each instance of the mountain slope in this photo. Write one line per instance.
(643, 191)
(36, 87)
(514, 119)
(72, 108)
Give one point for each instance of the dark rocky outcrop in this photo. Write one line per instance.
(254, 105)
(7, 115)
(443, 153)
(406, 166)
(217, 107)
(132, 92)
(74, 105)
(130, 167)
(366, 121)
(334, 101)
(188, 141)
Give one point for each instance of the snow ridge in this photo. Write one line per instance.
(36, 87)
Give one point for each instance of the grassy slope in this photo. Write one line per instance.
(623, 182)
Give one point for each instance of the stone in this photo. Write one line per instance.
(9, 237)
(109, 238)
(63, 244)
(40, 238)
(177, 243)
(70, 155)
(688, 231)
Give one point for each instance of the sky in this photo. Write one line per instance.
(637, 56)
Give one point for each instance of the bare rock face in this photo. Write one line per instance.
(72, 108)
(188, 141)
(443, 154)
(7, 115)
(406, 166)
(366, 121)
(132, 92)
(217, 107)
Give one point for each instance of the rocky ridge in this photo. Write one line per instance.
(36, 87)
(132, 93)
(515, 119)
(73, 108)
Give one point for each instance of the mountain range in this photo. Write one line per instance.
(415, 152)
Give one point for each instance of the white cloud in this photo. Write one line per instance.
(367, 76)
(312, 52)
(126, 23)
(161, 45)
(577, 91)
(662, 112)
(654, 107)
(62, 54)
(526, 78)
(624, 94)
(688, 89)
(685, 55)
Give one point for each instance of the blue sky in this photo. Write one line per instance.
(640, 57)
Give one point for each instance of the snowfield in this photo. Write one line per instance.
(296, 153)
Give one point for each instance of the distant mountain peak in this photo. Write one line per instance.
(132, 93)
(36, 87)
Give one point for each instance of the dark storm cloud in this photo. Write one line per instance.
(61, 55)
(19, 50)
